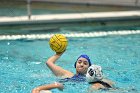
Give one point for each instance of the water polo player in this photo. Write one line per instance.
(95, 77)
(81, 65)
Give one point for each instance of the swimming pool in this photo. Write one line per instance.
(22, 63)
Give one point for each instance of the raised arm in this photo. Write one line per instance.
(57, 70)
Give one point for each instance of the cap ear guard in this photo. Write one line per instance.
(75, 64)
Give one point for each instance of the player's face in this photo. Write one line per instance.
(82, 65)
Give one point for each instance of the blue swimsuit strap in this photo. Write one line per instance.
(75, 78)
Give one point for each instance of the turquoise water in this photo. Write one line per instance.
(22, 63)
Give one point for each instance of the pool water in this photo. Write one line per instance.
(22, 63)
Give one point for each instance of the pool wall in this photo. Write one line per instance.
(50, 17)
(134, 3)
(71, 18)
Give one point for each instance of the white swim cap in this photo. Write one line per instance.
(94, 73)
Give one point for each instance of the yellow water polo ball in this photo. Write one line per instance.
(58, 43)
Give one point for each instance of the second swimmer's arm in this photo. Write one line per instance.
(48, 87)
(57, 70)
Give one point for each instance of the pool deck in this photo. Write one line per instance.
(71, 17)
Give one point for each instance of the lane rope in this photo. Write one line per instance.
(89, 34)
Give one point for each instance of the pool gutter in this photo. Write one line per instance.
(70, 18)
